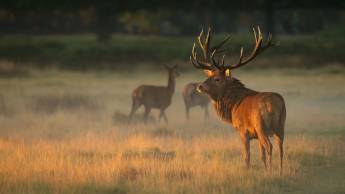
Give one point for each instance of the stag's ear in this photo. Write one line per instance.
(209, 73)
(227, 73)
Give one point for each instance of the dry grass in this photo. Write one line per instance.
(87, 149)
(110, 163)
(50, 103)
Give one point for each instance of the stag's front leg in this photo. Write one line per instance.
(246, 143)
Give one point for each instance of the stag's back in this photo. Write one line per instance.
(250, 110)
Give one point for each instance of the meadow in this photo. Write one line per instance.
(65, 132)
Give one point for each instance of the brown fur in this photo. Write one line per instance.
(154, 97)
(194, 98)
(254, 115)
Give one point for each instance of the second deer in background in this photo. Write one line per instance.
(194, 98)
(155, 97)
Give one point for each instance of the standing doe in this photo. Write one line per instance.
(193, 98)
(254, 115)
(154, 97)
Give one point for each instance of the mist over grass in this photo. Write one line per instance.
(64, 132)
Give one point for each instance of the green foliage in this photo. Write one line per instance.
(85, 52)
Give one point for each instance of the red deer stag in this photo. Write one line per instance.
(154, 97)
(194, 98)
(254, 115)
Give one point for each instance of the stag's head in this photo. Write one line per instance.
(219, 76)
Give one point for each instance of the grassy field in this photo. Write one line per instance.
(64, 132)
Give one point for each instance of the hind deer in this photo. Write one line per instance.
(154, 97)
(194, 98)
(253, 114)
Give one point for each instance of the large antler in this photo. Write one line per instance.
(259, 47)
(208, 63)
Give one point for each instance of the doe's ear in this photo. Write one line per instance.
(209, 73)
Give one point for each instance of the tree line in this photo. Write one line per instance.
(165, 17)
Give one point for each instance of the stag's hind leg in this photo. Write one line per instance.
(279, 134)
(266, 143)
(263, 154)
(280, 141)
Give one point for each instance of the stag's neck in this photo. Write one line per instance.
(231, 98)
(171, 84)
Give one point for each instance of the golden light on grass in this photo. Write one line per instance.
(150, 164)
(87, 149)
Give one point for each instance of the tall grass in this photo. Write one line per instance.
(107, 163)
(82, 146)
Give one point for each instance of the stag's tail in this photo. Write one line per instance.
(282, 119)
(280, 133)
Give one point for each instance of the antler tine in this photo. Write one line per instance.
(205, 44)
(257, 49)
(196, 63)
(215, 50)
(210, 54)
(255, 36)
(199, 64)
(192, 58)
(214, 62)
(208, 39)
(221, 44)
(199, 39)
(193, 62)
(223, 60)
(240, 58)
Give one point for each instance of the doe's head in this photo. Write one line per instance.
(173, 70)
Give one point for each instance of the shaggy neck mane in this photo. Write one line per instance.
(232, 97)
